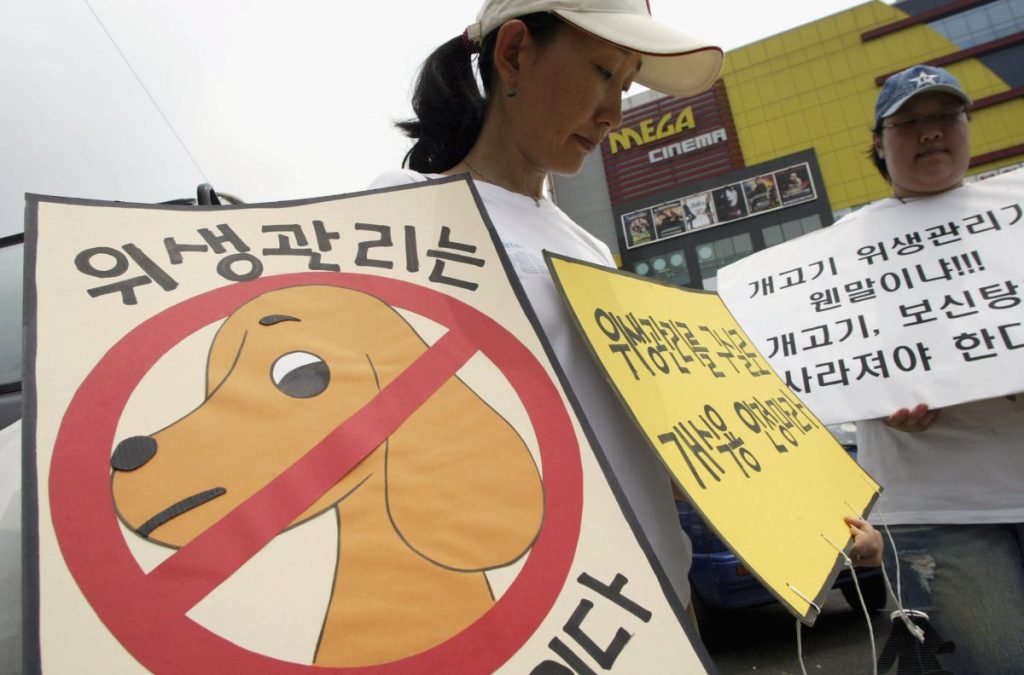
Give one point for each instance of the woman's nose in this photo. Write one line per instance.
(610, 113)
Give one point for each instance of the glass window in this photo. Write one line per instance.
(10, 316)
(776, 234)
(10, 332)
(982, 24)
(669, 268)
(979, 22)
(792, 230)
(1000, 13)
(719, 253)
(810, 223)
(955, 28)
(772, 235)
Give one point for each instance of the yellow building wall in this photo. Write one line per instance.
(814, 86)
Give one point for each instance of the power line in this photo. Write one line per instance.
(145, 89)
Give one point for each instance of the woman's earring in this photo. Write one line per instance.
(510, 92)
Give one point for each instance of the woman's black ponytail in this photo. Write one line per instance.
(449, 110)
(447, 101)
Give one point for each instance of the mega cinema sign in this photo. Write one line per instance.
(654, 129)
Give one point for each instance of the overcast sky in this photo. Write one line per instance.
(273, 99)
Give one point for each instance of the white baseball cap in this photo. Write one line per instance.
(672, 62)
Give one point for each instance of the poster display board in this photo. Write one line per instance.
(770, 191)
(762, 470)
(899, 304)
(311, 437)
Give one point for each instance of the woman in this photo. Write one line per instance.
(553, 73)
(953, 480)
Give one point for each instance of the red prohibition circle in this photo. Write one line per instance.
(142, 615)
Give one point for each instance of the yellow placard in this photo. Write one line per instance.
(764, 472)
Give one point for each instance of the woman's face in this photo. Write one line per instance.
(926, 145)
(568, 97)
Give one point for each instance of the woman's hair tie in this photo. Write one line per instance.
(469, 45)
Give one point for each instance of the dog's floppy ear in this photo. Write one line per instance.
(232, 334)
(463, 489)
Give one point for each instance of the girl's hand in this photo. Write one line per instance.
(867, 543)
(913, 420)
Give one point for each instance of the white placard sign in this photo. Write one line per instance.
(214, 394)
(903, 303)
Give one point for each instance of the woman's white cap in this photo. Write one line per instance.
(672, 62)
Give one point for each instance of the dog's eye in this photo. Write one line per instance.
(300, 374)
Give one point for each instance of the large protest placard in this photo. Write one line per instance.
(902, 303)
(764, 473)
(314, 436)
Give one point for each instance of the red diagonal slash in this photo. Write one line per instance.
(200, 566)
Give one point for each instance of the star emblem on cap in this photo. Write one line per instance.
(922, 79)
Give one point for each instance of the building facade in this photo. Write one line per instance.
(779, 146)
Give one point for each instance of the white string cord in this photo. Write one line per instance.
(897, 597)
(800, 646)
(863, 604)
(817, 608)
(799, 643)
(146, 90)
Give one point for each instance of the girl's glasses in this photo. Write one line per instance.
(943, 119)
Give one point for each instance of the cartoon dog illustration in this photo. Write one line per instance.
(451, 493)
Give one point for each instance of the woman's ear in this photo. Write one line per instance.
(513, 44)
(876, 141)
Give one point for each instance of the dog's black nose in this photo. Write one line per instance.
(131, 453)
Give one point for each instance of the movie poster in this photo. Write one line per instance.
(762, 193)
(730, 203)
(795, 184)
(668, 219)
(638, 227)
(698, 211)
